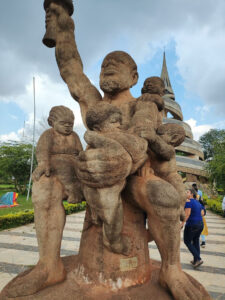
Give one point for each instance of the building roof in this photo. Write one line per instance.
(165, 77)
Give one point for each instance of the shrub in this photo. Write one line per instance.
(72, 208)
(215, 205)
(18, 219)
(27, 216)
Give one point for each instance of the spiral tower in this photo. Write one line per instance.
(189, 155)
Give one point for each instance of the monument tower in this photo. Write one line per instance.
(189, 154)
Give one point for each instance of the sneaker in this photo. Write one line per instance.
(203, 245)
(198, 263)
(192, 262)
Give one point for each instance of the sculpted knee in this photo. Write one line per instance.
(161, 193)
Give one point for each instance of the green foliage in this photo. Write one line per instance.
(209, 139)
(181, 153)
(72, 208)
(216, 166)
(15, 159)
(215, 205)
(17, 219)
(213, 143)
(27, 216)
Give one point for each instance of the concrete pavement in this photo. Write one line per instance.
(18, 249)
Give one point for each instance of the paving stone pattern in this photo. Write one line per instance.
(19, 250)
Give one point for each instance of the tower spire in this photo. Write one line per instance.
(165, 77)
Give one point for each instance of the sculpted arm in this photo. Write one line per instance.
(69, 61)
(43, 155)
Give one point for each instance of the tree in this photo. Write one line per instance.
(209, 140)
(15, 159)
(216, 166)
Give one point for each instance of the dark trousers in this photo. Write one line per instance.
(191, 239)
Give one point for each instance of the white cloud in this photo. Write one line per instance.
(12, 136)
(198, 130)
(48, 94)
(140, 28)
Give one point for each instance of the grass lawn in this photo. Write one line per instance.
(23, 203)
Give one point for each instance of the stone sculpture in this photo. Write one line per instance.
(100, 269)
(168, 136)
(57, 150)
(54, 180)
(105, 121)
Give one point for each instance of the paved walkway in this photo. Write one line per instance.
(18, 249)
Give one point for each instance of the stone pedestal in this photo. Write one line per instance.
(72, 289)
(97, 273)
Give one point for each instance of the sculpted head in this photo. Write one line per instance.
(172, 134)
(61, 118)
(103, 117)
(118, 72)
(153, 85)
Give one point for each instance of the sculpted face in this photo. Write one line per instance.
(117, 72)
(63, 126)
(113, 122)
(153, 85)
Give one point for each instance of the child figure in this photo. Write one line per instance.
(104, 121)
(57, 151)
(173, 135)
(162, 138)
(149, 107)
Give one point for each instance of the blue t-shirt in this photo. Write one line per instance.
(195, 216)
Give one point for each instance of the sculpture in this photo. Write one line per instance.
(54, 180)
(109, 274)
(57, 150)
(105, 119)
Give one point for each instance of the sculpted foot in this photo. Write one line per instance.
(181, 287)
(35, 280)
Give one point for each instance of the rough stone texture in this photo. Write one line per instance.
(70, 290)
(57, 151)
(101, 269)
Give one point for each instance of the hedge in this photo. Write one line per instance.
(27, 216)
(214, 205)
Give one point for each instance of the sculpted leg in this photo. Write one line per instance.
(49, 224)
(161, 202)
(176, 181)
(107, 204)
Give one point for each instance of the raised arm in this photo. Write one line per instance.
(68, 58)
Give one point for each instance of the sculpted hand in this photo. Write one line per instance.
(64, 21)
(145, 131)
(105, 164)
(158, 100)
(40, 170)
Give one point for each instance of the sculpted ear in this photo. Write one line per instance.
(134, 78)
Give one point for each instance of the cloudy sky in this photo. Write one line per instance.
(192, 32)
